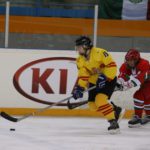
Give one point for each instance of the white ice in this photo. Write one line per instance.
(55, 133)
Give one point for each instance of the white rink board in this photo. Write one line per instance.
(11, 60)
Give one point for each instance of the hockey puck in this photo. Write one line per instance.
(12, 129)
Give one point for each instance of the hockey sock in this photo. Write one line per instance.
(104, 106)
(147, 109)
(138, 107)
(92, 106)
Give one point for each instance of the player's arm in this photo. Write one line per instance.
(83, 77)
(110, 70)
(82, 82)
(144, 70)
(124, 73)
(123, 77)
(139, 79)
(83, 73)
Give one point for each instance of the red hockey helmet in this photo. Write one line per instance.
(132, 54)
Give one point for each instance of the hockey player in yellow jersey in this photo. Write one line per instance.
(96, 67)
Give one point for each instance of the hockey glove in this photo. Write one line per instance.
(78, 92)
(101, 82)
(133, 82)
(119, 85)
(128, 85)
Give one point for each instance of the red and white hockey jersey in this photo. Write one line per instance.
(141, 72)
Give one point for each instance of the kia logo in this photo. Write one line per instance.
(46, 80)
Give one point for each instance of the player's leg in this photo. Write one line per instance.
(91, 98)
(146, 89)
(106, 108)
(101, 104)
(138, 109)
(119, 112)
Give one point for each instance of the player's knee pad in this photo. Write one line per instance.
(101, 99)
(92, 106)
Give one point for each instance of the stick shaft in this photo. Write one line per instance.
(43, 109)
(13, 119)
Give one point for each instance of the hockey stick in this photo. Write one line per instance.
(75, 105)
(121, 114)
(13, 119)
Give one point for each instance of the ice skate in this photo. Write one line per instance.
(119, 112)
(135, 122)
(145, 120)
(114, 127)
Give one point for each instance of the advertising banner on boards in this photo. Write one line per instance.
(35, 78)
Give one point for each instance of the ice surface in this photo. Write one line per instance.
(55, 133)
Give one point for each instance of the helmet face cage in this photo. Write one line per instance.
(85, 42)
(132, 54)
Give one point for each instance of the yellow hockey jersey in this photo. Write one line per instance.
(100, 61)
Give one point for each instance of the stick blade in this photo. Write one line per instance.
(74, 105)
(8, 117)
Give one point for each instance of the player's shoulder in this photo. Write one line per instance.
(124, 66)
(80, 61)
(80, 58)
(143, 63)
(98, 50)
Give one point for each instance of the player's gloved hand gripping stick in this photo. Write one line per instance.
(78, 92)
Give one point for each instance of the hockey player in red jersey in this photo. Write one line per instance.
(135, 71)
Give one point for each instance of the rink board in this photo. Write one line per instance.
(37, 78)
(60, 112)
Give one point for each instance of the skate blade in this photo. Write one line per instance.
(115, 131)
(135, 126)
(145, 123)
